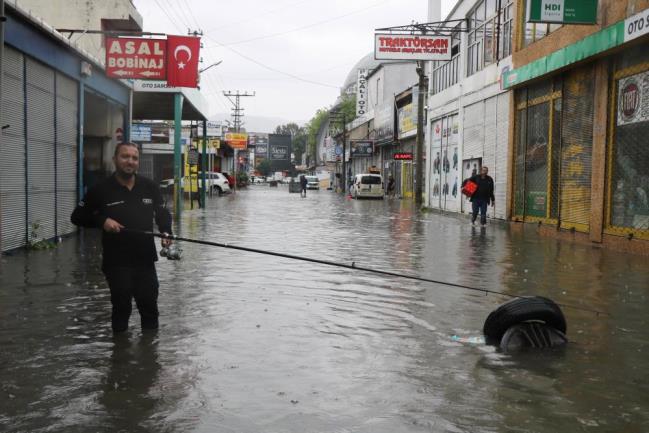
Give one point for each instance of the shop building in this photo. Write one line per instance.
(63, 117)
(580, 120)
(468, 109)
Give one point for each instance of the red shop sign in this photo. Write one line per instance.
(402, 156)
(136, 58)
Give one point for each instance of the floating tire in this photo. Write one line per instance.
(519, 310)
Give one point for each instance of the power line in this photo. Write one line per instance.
(288, 74)
(308, 26)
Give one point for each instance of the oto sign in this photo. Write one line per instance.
(562, 11)
(411, 47)
(136, 58)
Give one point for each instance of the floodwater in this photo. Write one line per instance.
(252, 343)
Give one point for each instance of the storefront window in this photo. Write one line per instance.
(535, 31)
(630, 182)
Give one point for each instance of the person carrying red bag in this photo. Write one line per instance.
(480, 189)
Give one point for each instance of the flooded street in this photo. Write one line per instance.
(252, 343)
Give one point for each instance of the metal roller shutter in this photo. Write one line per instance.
(501, 155)
(490, 136)
(12, 152)
(577, 146)
(66, 152)
(40, 149)
(473, 131)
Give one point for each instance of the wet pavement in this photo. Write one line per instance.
(252, 343)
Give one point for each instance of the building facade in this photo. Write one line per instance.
(62, 117)
(579, 126)
(468, 110)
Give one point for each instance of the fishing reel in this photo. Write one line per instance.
(172, 253)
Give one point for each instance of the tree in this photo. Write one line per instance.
(264, 167)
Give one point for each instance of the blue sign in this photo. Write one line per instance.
(140, 133)
(339, 150)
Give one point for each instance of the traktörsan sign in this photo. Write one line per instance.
(411, 47)
(562, 11)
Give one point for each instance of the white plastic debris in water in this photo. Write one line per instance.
(468, 340)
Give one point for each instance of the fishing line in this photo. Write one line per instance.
(352, 267)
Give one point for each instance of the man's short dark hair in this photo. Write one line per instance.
(128, 143)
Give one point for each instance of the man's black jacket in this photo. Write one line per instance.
(135, 209)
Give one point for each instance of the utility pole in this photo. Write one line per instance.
(419, 154)
(237, 115)
(338, 116)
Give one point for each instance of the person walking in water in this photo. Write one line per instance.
(483, 195)
(391, 186)
(303, 184)
(128, 201)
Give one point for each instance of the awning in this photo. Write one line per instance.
(154, 100)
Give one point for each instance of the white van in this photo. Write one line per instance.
(367, 186)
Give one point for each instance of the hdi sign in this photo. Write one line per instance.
(562, 11)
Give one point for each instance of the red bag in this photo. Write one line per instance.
(469, 188)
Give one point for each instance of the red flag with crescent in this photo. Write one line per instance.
(182, 61)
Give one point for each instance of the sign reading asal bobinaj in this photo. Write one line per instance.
(136, 58)
(411, 47)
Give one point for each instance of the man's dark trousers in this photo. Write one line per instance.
(126, 283)
(480, 204)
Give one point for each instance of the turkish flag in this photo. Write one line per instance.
(182, 61)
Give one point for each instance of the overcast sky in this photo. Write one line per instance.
(295, 54)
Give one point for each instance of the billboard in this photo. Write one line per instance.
(140, 132)
(361, 148)
(412, 47)
(279, 151)
(384, 121)
(236, 140)
(136, 58)
(562, 11)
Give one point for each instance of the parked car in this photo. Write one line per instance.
(216, 182)
(367, 186)
(229, 177)
(312, 182)
(257, 179)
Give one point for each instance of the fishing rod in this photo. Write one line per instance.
(353, 267)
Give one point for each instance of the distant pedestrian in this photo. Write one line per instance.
(483, 195)
(126, 200)
(391, 186)
(303, 184)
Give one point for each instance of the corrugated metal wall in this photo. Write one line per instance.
(67, 96)
(577, 146)
(12, 152)
(500, 170)
(40, 149)
(38, 157)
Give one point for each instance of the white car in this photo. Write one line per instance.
(216, 182)
(312, 182)
(367, 186)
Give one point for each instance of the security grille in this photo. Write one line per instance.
(12, 152)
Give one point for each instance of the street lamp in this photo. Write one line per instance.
(200, 71)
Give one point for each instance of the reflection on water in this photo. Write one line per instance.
(251, 343)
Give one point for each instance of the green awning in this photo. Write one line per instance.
(597, 43)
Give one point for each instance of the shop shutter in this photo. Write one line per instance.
(577, 146)
(490, 136)
(501, 155)
(40, 149)
(473, 131)
(67, 91)
(12, 153)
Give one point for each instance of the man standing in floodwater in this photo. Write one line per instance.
(127, 201)
(482, 196)
(303, 184)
